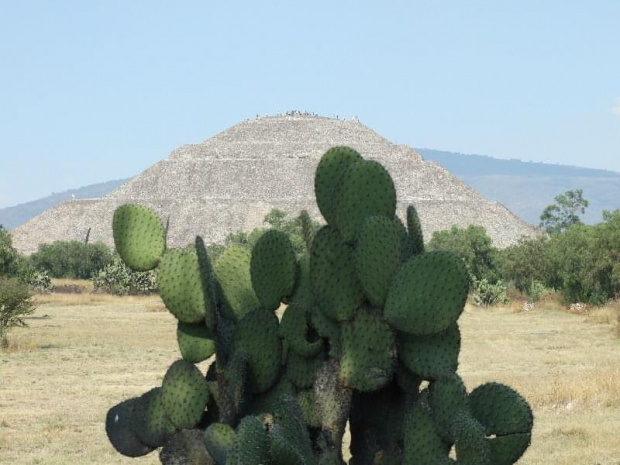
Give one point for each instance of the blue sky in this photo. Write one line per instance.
(92, 91)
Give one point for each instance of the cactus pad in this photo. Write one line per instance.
(266, 402)
(447, 399)
(295, 331)
(302, 371)
(471, 445)
(428, 293)
(290, 440)
(506, 415)
(367, 359)
(149, 419)
(139, 236)
(501, 409)
(422, 445)
(307, 402)
(327, 329)
(257, 335)
(415, 230)
(219, 439)
(195, 342)
(329, 173)
(233, 273)
(333, 275)
(378, 256)
(180, 284)
(185, 394)
(118, 424)
(366, 190)
(251, 446)
(273, 268)
(432, 356)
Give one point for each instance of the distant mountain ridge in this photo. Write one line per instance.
(11, 217)
(482, 165)
(525, 188)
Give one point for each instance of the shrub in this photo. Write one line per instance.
(527, 261)
(117, 278)
(71, 259)
(474, 246)
(9, 257)
(15, 304)
(40, 282)
(537, 290)
(484, 293)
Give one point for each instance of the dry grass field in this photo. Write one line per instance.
(84, 353)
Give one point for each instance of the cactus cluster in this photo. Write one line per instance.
(369, 338)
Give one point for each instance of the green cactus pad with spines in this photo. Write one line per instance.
(307, 402)
(406, 246)
(273, 268)
(329, 173)
(251, 446)
(448, 398)
(266, 402)
(415, 231)
(333, 275)
(290, 440)
(139, 236)
(501, 409)
(428, 294)
(210, 286)
(506, 450)
(257, 335)
(196, 341)
(149, 419)
(378, 257)
(302, 371)
(505, 414)
(180, 284)
(366, 190)
(327, 329)
(367, 361)
(471, 445)
(302, 294)
(233, 273)
(185, 394)
(219, 439)
(422, 443)
(432, 356)
(295, 331)
(118, 427)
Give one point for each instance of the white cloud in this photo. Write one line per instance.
(616, 108)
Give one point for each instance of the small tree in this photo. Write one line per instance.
(15, 304)
(72, 259)
(564, 213)
(8, 255)
(474, 246)
(527, 262)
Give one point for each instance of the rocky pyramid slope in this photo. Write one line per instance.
(230, 182)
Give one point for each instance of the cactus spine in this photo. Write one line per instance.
(370, 316)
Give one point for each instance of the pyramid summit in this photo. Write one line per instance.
(232, 180)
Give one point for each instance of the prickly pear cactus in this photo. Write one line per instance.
(369, 337)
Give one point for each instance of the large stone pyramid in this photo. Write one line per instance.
(231, 181)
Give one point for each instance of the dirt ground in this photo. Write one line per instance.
(83, 354)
